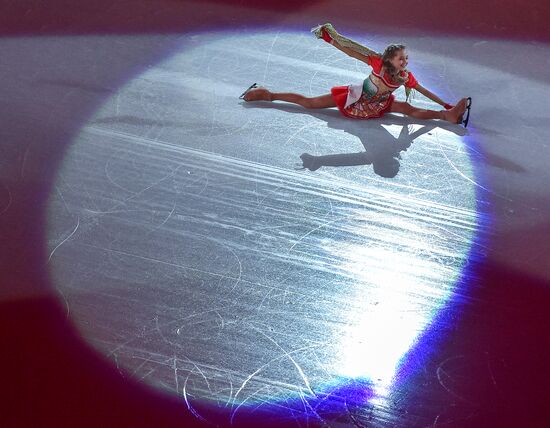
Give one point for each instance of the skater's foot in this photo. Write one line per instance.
(258, 94)
(456, 114)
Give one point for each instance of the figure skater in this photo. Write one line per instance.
(373, 97)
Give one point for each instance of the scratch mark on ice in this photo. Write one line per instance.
(287, 354)
(65, 240)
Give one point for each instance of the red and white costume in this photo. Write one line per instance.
(374, 96)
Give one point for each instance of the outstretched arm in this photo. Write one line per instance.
(431, 96)
(350, 52)
(348, 46)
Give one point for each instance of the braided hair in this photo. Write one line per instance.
(388, 54)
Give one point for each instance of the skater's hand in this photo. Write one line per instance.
(326, 36)
(448, 106)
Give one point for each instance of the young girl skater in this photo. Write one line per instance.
(374, 96)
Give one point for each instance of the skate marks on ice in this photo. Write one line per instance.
(258, 284)
(192, 254)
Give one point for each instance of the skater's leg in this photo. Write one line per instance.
(262, 94)
(453, 115)
(409, 110)
(323, 101)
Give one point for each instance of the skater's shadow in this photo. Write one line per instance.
(382, 149)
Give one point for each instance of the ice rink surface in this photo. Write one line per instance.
(167, 261)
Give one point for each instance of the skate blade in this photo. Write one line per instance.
(468, 106)
(254, 85)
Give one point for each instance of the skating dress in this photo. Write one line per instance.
(373, 97)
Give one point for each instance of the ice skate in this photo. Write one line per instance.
(456, 114)
(468, 105)
(254, 85)
(257, 93)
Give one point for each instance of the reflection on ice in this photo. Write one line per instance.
(390, 310)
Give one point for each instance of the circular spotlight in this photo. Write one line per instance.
(192, 253)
